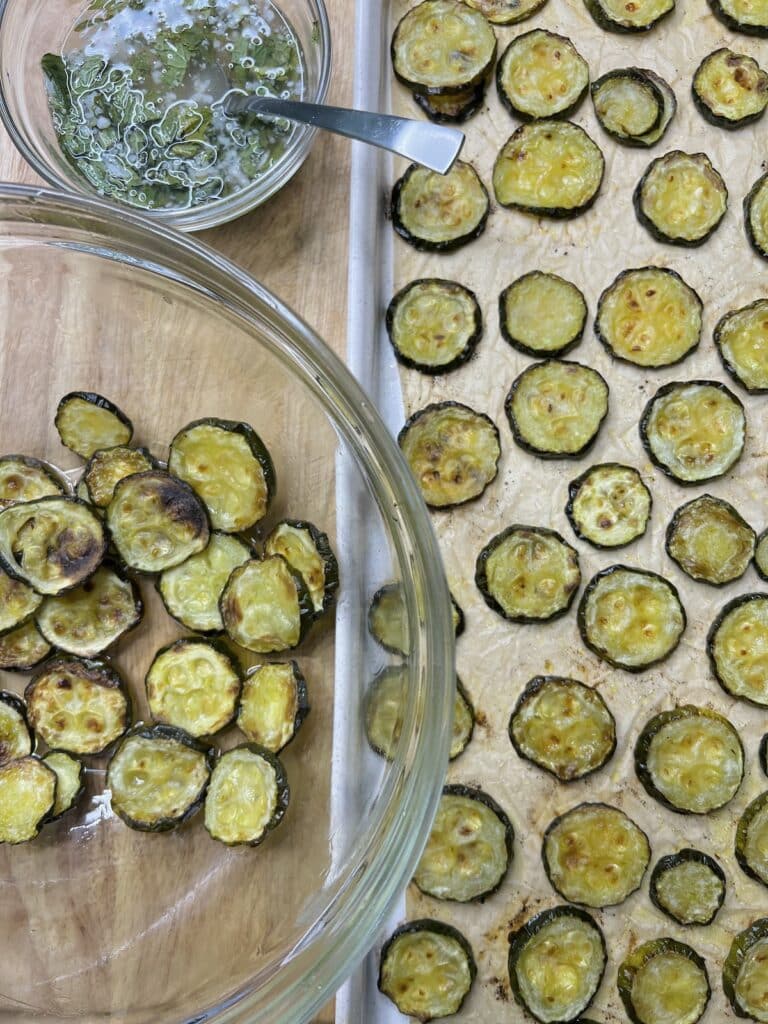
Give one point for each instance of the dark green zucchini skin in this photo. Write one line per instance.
(648, 224)
(763, 754)
(724, 611)
(93, 399)
(728, 366)
(461, 622)
(419, 243)
(734, 25)
(646, 952)
(468, 702)
(283, 791)
(573, 490)
(428, 924)
(707, 113)
(522, 115)
(671, 860)
(602, 20)
(740, 947)
(526, 349)
(672, 527)
(464, 356)
(463, 113)
(742, 827)
(748, 198)
(330, 564)
(638, 75)
(760, 538)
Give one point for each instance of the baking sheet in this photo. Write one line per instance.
(495, 658)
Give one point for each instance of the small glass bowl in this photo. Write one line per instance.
(31, 28)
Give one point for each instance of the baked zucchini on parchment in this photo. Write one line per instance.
(741, 339)
(620, 16)
(452, 108)
(747, 16)
(541, 74)
(710, 541)
(542, 314)
(633, 105)
(736, 643)
(440, 212)
(745, 972)
(609, 506)
(688, 886)
(751, 846)
(388, 619)
(506, 12)
(664, 981)
(730, 89)
(434, 325)
(756, 214)
(681, 198)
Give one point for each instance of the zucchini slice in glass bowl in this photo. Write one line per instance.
(506, 12)
(756, 214)
(751, 846)
(273, 704)
(70, 782)
(688, 886)
(308, 551)
(247, 797)
(25, 479)
(434, 325)
(745, 972)
(664, 981)
(27, 798)
(741, 340)
(736, 644)
(108, 466)
(18, 603)
(681, 198)
(23, 649)
(451, 108)
(15, 736)
(556, 964)
(747, 16)
(87, 422)
(609, 505)
(730, 89)
(620, 16)
(710, 541)
(440, 212)
(633, 105)
(266, 606)
(541, 314)
(427, 969)
(541, 74)
(194, 685)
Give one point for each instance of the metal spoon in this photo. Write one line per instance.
(431, 145)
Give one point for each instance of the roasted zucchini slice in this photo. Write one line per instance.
(730, 89)
(761, 555)
(388, 619)
(440, 212)
(23, 649)
(51, 544)
(87, 421)
(609, 506)
(18, 603)
(156, 521)
(248, 796)
(158, 778)
(737, 643)
(266, 606)
(556, 408)
(191, 591)
(664, 982)
(108, 466)
(628, 104)
(550, 169)
(752, 839)
(507, 12)
(469, 848)
(451, 108)
(688, 886)
(556, 963)
(649, 317)
(528, 574)
(620, 16)
(15, 737)
(681, 198)
(273, 704)
(78, 706)
(26, 479)
(690, 759)
(70, 783)
(563, 726)
(27, 798)
(756, 210)
(763, 753)
(230, 469)
(463, 722)
(434, 325)
(694, 430)
(453, 452)
(710, 541)
(89, 619)
(541, 74)
(442, 46)
(741, 339)
(308, 551)
(747, 16)
(595, 855)
(427, 969)
(542, 314)
(193, 685)
(745, 972)
(630, 618)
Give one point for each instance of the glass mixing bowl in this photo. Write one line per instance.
(104, 923)
(31, 28)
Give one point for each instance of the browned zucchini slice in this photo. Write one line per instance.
(752, 839)
(451, 108)
(388, 619)
(541, 74)
(453, 452)
(542, 314)
(688, 886)
(15, 737)
(528, 574)
(620, 16)
(156, 521)
(563, 726)
(710, 541)
(70, 784)
(556, 408)
(630, 618)
(649, 317)
(27, 797)
(736, 643)
(693, 430)
(193, 685)
(556, 963)
(730, 89)
(761, 555)
(23, 649)
(427, 969)
(26, 479)
(745, 972)
(273, 704)
(440, 212)
(52, 544)
(609, 506)
(747, 16)
(442, 46)
(595, 855)
(108, 466)
(191, 591)
(628, 104)
(741, 339)
(230, 469)
(434, 325)
(78, 706)
(87, 421)
(756, 211)
(248, 796)
(664, 982)
(266, 606)
(18, 603)
(681, 198)
(307, 550)
(507, 12)
(549, 168)
(158, 777)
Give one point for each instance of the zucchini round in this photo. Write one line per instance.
(664, 982)
(710, 541)
(15, 737)
(628, 104)
(265, 606)
(388, 619)
(158, 777)
(70, 784)
(248, 796)
(440, 212)
(649, 317)
(595, 855)
(541, 74)
(194, 686)
(751, 846)
(308, 551)
(730, 89)
(609, 506)
(427, 969)
(434, 325)
(23, 649)
(191, 591)
(745, 972)
(463, 722)
(108, 466)
(542, 314)
(273, 704)
(747, 16)
(506, 12)
(27, 798)
(87, 421)
(528, 574)
(453, 453)
(556, 963)
(761, 555)
(620, 16)
(694, 430)
(763, 754)
(688, 886)
(756, 214)
(452, 108)
(737, 643)
(563, 726)
(469, 849)
(25, 479)
(681, 198)
(668, 112)
(741, 339)
(18, 603)
(550, 169)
